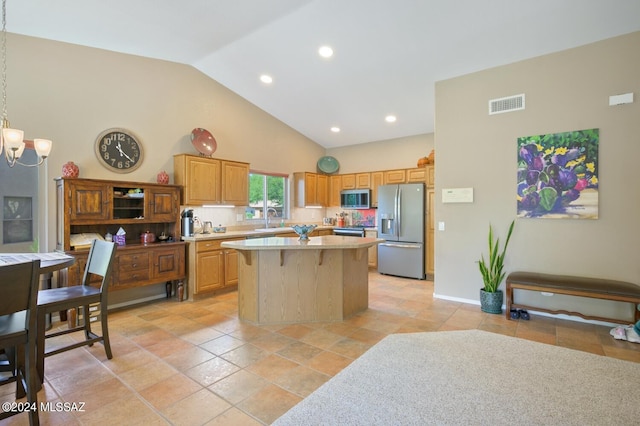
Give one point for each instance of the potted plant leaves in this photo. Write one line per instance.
(492, 273)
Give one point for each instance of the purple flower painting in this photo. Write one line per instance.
(558, 175)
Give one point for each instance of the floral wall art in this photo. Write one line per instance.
(558, 175)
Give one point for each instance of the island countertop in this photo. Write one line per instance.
(293, 243)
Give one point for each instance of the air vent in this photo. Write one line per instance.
(508, 104)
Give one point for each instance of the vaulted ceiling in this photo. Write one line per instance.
(387, 54)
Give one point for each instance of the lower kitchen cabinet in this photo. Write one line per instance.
(373, 250)
(230, 267)
(211, 267)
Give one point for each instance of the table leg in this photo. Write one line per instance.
(180, 290)
(41, 319)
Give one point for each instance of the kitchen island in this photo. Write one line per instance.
(285, 280)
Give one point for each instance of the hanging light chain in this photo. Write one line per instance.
(5, 120)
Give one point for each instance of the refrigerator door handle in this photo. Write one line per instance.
(410, 246)
(398, 217)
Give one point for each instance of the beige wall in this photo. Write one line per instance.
(565, 91)
(400, 153)
(70, 94)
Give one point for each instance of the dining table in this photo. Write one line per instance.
(49, 263)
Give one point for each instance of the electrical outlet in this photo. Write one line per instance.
(239, 217)
(440, 226)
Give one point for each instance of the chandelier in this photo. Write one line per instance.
(12, 140)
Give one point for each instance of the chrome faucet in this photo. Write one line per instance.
(267, 218)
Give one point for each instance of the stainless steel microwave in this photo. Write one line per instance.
(355, 199)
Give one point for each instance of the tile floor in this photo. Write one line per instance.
(195, 363)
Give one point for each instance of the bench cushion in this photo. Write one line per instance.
(566, 282)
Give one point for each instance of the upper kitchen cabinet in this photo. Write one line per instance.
(363, 180)
(335, 186)
(310, 189)
(377, 179)
(349, 181)
(211, 181)
(235, 183)
(394, 176)
(421, 174)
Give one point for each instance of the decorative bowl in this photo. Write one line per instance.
(303, 230)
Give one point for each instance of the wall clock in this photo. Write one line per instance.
(119, 150)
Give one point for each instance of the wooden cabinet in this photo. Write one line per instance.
(363, 180)
(200, 178)
(349, 181)
(101, 207)
(88, 200)
(430, 261)
(235, 183)
(162, 204)
(310, 189)
(377, 179)
(316, 233)
(322, 190)
(417, 175)
(211, 267)
(430, 175)
(208, 272)
(131, 267)
(373, 250)
(166, 262)
(335, 186)
(394, 176)
(211, 180)
(230, 267)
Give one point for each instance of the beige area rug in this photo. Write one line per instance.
(474, 377)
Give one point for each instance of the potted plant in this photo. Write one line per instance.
(492, 274)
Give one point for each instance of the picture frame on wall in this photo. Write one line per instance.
(557, 175)
(17, 220)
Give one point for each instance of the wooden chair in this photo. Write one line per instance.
(99, 263)
(18, 331)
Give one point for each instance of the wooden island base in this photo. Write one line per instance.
(291, 282)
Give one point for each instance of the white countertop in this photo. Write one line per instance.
(245, 233)
(293, 243)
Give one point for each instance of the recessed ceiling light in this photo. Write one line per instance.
(325, 51)
(266, 79)
(335, 129)
(390, 118)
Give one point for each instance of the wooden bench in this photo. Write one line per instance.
(595, 288)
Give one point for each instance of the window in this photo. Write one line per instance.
(22, 203)
(267, 192)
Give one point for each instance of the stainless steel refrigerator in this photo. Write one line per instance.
(401, 221)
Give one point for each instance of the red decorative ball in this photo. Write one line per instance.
(70, 170)
(163, 177)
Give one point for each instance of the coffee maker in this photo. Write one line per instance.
(187, 223)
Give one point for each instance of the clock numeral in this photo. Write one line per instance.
(106, 155)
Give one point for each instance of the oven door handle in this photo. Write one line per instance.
(410, 246)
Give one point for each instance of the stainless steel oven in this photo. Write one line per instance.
(350, 231)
